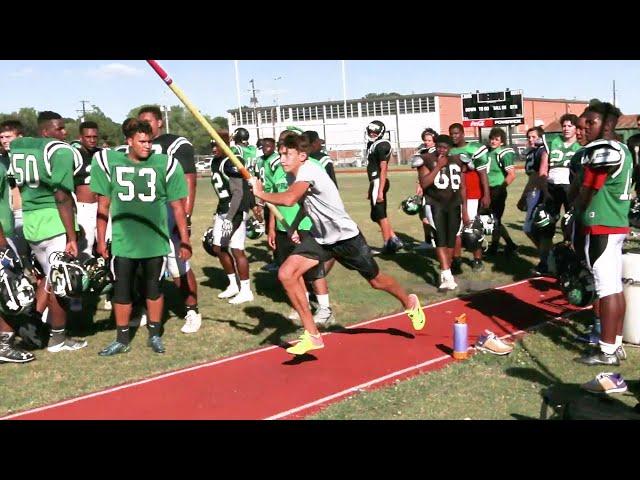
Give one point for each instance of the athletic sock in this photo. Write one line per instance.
(122, 335)
(193, 307)
(608, 348)
(57, 336)
(154, 329)
(323, 300)
(245, 286)
(232, 280)
(446, 274)
(618, 341)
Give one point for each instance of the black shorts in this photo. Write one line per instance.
(498, 201)
(446, 224)
(378, 210)
(559, 198)
(124, 271)
(353, 254)
(285, 247)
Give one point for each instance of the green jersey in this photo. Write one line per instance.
(249, 153)
(6, 214)
(139, 193)
(609, 207)
(560, 154)
(275, 181)
(261, 162)
(473, 154)
(500, 160)
(41, 166)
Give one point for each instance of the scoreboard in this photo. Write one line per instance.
(492, 108)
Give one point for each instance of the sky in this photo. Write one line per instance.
(117, 86)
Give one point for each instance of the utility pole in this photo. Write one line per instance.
(614, 93)
(254, 104)
(84, 110)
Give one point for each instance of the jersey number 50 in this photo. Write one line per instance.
(26, 172)
(150, 175)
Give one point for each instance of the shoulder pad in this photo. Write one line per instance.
(479, 152)
(603, 153)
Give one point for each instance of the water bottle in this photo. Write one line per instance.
(460, 337)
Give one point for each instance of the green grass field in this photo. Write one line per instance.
(481, 388)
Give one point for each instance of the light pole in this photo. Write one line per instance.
(277, 119)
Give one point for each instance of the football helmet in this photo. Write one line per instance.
(472, 236)
(487, 222)
(67, 276)
(374, 131)
(255, 229)
(574, 278)
(207, 242)
(542, 220)
(10, 259)
(240, 135)
(98, 273)
(634, 213)
(17, 295)
(411, 205)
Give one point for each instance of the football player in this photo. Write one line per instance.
(43, 168)
(378, 154)
(137, 189)
(445, 193)
(603, 204)
(229, 230)
(181, 149)
(474, 156)
(500, 173)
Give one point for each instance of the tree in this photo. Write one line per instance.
(183, 123)
(28, 117)
(370, 96)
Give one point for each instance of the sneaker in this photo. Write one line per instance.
(541, 270)
(242, 297)
(10, 354)
(75, 304)
(229, 292)
(416, 314)
(394, 244)
(606, 383)
(490, 343)
(270, 267)
(192, 323)
(107, 305)
(69, 344)
(456, 266)
(447, 284)
(598, 357)
(306, 344)
(426, 246)
(156, 344)
(621, 353)
(114, 348)
(324, 317)
(477, 265)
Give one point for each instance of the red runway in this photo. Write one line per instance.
(269, 383)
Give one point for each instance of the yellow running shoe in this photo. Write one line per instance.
(416, 314)
(307, 343)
